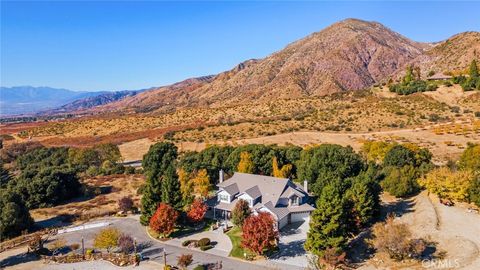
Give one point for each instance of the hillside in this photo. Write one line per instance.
(348, 55)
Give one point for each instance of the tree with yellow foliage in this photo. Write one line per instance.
(186, 187)
(107, 239)
(283, 172)
(447, 184)
(245, 165)
(201, 183)
(376, 150)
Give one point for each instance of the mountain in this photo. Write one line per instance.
(348, 55)
(29, 99)
(92, 101)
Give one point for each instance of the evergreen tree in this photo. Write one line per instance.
(473, 71)
(155, 163)
(5, 176)
(329, 222)
(14, 215)
(171, 189)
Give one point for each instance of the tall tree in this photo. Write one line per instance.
(197, 211)
(329, 222)
(245, 165)
(283, 172)
(171, 193)
(240, 212)
(473, 70)
(201, 183)
(159, 158)
(186, 187)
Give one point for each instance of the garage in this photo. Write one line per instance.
(282, 222)
(300, 216)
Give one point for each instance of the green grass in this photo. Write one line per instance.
(235, 235)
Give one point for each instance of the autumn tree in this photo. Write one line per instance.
(201, 183)
(186, 187)
(158, 159)
(283, 172)
(240, 212)
(126, 243)
(259, 233)
(470, 158)
(245, 165)
(197, 211)
(184, 260)
(375, 150)
(107, 239)
(447, 184)
(164, 220)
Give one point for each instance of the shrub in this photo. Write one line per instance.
(203, 242)
(186, 243)
(125, 204)
(107, 239)
(199, 267)
(395, 240)
(477, 114)
(203, 248)
(74, 246)
(126, 244)
(401, 182)
(184, 260)
(129, 170)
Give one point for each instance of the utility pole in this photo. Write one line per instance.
(83, 249)
(164, 258)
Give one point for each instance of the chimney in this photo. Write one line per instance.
(220, 176)
(305, 186)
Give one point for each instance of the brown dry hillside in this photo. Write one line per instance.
(348, 55)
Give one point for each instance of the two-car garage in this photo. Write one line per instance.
(299, 216)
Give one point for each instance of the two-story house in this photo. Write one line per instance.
(285, 200)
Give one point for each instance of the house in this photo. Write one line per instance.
(285, 200)
(439, 77)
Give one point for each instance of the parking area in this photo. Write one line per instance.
(291, 251)
(221, 242)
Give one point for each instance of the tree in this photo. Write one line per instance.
(159, 157)
(409, 76)
(448, 184)
(283, 172)
(376, 150)
(14, 215)
(470, 158)
(5, 176)
(329, 222)
(107, 239)
(108, 151)
(126, 243)
(171, 193)
(401, 182)
(201, 183)
(259, 233)
(474, 191)
(197, 211)
(245, 165)
(164, 220)
(125, 204)
(399, 156)
(186, 187)
(240, 212)
(473, 70)
(327, 163)
(184, 260)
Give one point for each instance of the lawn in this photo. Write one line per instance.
(235, 235)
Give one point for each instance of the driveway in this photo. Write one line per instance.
(291, 251)
(222, 243)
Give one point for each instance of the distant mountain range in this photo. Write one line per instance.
(21, 100)
(349, 55)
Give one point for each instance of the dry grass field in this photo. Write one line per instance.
(115, 186)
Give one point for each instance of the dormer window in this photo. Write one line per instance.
(294, 201)
(223, 197)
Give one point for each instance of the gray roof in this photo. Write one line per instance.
(270, 189)
(232, 189)
(254, 192)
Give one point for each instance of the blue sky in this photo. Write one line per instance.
(132, 45)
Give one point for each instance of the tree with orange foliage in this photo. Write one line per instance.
(197, 211)
(259, 233)
(164, 220)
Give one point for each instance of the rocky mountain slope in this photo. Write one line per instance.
(348, 55)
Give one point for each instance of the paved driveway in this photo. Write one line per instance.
(222, 243)
(291, 251)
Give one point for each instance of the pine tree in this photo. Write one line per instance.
(171, 189)
(364, 199)
(155, 163)
(245, 165)
(328, 223)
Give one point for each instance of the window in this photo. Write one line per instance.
(223, 198)
(294, 200)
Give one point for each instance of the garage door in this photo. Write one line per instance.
(300, 217)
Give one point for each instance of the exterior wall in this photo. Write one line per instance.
(282, 222)
(300, 216)
(224, 193)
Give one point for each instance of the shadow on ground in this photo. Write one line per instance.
(18, 259)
